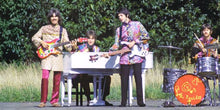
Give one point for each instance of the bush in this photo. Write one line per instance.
(168, 23)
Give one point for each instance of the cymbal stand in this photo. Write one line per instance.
(170, 58)
(214, 91)
(218, 87)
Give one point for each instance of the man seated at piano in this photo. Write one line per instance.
(91, 47)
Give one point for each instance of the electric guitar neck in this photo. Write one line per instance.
(53, 45)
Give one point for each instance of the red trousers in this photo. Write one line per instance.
(56, 86)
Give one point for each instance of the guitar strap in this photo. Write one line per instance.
(61, 30)
(120, 39)
(120, 33)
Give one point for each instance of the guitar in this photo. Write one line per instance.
(53, 45)
(96, 56)
(135, 50)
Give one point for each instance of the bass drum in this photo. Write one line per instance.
(189, 89)
(169, 78)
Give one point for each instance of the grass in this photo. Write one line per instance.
(21, 83)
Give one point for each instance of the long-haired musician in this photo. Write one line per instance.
(91, 47)
(53, 62)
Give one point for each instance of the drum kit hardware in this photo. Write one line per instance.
(170, 47)
(192, 89)
(170, 76)
(212, 46)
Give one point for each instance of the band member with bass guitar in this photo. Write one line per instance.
(132, 32)
(51, 33)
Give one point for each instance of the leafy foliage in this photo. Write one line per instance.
(169, 22)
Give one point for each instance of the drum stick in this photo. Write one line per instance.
(199, 40)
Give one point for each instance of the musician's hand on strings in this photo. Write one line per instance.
(44, 44)
(106, 55)
(131, 44)
(74, 43)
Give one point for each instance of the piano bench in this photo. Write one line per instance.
(76, 84)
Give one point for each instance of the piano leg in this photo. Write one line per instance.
(95, 92)
(143, 82)
(69, 88)
(99, 101)
(130, 93)
(69, 84)
(62, 87)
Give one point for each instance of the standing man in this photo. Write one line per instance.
(53, 62)
(132, 32)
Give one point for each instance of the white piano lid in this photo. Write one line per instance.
(82, 60)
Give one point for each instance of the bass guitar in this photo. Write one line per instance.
(53, 45)
(135, 50)
(96, 56)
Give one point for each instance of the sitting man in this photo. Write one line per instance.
(91, 47)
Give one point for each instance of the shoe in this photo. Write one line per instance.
(171, 104)
(122, 105)
(56, 105)
(41, 105)
(142, 105)
(168, 104)
(108, 104)
(165, 104)
(87, 103)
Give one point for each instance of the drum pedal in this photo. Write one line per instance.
(168, 104)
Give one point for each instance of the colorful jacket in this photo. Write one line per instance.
(132, 31)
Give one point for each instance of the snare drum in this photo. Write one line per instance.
(189, 89)
(169, 78)
(206, 66)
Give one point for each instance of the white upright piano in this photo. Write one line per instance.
(81, 63)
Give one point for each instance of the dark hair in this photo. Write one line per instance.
(57, 13)
(123, 11)
(91, 33)
(204, 26)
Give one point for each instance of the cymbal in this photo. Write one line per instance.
(212, 46)
(170, 47)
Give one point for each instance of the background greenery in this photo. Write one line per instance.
(169, 22)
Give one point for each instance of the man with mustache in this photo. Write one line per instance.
(53, 62)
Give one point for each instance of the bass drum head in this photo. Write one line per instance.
(189, 89)
(170, 76)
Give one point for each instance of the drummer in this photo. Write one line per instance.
(198, 49)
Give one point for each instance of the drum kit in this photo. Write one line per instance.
(191, 89)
